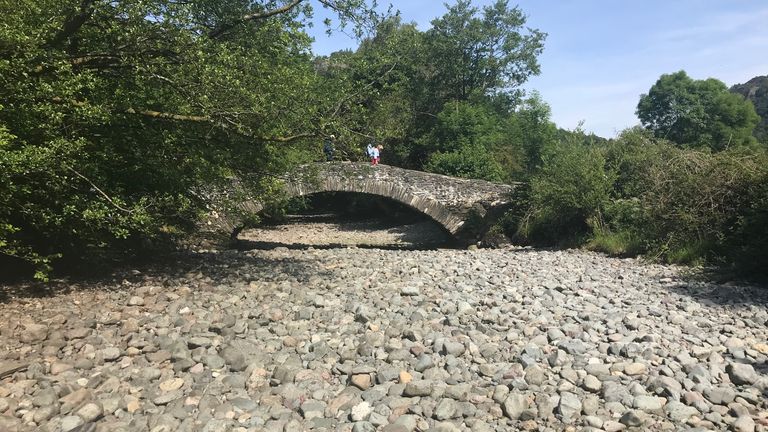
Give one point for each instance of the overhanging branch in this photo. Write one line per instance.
(252, 17)
(73, 23)
(237, 128)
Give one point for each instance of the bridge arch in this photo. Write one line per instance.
(463, 207)
(390, 190)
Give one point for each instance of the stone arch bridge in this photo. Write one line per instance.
(464, 207)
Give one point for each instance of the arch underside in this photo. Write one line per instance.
(423, 204)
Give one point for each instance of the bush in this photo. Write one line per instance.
(468, 162)
(618, 243)
(568, 194)
(689, 206)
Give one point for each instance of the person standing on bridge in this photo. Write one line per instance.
(375, 154)
(328, 147)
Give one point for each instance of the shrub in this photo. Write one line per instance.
(472, 161)
(568, 194)
(689, 206)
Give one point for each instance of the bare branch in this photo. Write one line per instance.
(73, 23)
(254, 16)
(236, 127)
(101, 192)
(289, 138)
(169, 116)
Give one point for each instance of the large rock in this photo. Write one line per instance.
(33, 333)
(515, 404)
(569, 407)
(742, 374)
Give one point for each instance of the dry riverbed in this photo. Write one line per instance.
(351, 339)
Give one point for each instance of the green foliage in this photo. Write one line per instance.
(756, 91)
(620, 243)
(440, 91)
(478, 55)
(470, 161)
(697, 113)
(534, 130)
(120, 118)
(642, 195)
(568, 193)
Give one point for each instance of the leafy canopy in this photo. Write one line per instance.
(697, 113)
(119, 117)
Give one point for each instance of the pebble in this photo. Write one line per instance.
(90, 412)
(743, 424)
(68, 423)
(634, 369)
(361, 412)
(111, 354)
(441, 340)
(171, 384)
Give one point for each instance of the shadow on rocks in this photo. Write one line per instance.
(195, 269)
(703, 290)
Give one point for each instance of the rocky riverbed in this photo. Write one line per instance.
(360, 340)
(325, 230)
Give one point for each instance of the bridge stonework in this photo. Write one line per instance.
(464, 207)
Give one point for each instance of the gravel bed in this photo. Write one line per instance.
(352, 339)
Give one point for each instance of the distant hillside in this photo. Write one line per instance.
(756, 90)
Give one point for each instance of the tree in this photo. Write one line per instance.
(469, 65)
(697, 113)
(756, 91)
(118, 116)
(480, 55)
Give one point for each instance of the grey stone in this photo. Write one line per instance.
(453, 348)
(214, 361)
(312, 409)
(418, 388)
(743, 424)
(136, 301)
(45, 397)
(33, 333)
(569, 407)
(535, 375)
(742, 374)
(572, 346)
(234, 358)
(592, 384)
(111, 353)
(446, 409)
(90, 412)
(720, 395)
(70, 422)
(631, 419)
(410, 290)
(424, 362)
(514, 405)
(363, 426)
(166, 398)
(648, 403)
(679, 412)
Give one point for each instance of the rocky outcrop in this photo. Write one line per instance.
(756, 90)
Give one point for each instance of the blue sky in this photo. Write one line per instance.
(600, 55)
